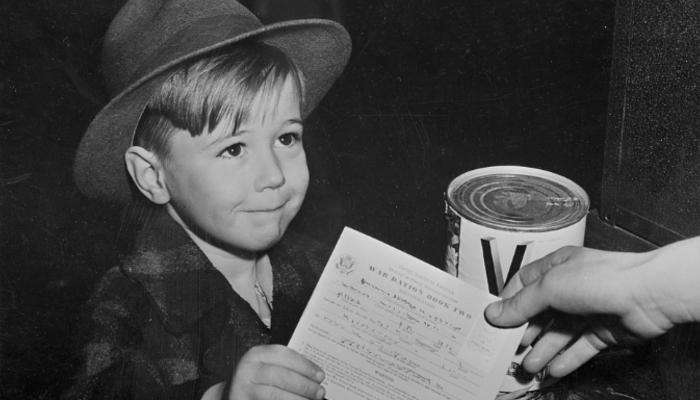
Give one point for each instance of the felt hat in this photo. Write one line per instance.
(148, 39)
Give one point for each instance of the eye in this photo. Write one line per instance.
(235, 150)
(289, 139)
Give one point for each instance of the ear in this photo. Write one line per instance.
(147, 173)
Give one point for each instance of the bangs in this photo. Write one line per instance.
(233, 85)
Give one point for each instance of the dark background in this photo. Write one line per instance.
(433, 89)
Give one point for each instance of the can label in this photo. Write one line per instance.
(502, 218)
(488, 258)
(452, 256)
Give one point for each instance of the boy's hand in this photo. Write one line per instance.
(276, 372)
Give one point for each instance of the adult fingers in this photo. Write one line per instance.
(587, 346)
(536, 326)
(519, 308)
(559, 335)
(524, 297)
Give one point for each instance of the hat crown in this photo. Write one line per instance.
(149, 39)
(143, 27)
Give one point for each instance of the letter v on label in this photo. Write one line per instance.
(492, 263)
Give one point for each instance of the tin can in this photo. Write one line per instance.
(502, 218)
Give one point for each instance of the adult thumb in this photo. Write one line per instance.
(493, 311)
(516, 310)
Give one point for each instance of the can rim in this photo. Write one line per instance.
(567, 183)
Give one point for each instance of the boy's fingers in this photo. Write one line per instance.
(275, 378)
(285, 357)
(277, 372)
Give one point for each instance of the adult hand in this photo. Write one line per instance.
(276, 372)
(583, 300)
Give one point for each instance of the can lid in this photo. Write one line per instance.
(518, 199)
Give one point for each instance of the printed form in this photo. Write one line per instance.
(384, 325)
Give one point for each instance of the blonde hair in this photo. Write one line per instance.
(220, 86)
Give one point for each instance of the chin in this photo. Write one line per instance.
(261, 241)
(257, 237)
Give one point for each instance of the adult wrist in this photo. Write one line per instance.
(677, 279)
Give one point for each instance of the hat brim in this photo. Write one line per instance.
(320, 49)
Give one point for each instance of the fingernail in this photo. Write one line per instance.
(319, 376)
(321, 393)
(494, 310)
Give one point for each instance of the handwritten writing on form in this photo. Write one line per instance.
(386, 326)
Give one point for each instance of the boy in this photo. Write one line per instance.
(206, 119)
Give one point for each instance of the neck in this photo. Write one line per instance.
(239, 267)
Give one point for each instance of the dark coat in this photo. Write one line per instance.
(167, 324)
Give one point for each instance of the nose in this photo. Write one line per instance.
(268, 173)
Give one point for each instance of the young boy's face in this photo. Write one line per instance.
(242, 188)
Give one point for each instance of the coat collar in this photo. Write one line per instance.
(185, 286)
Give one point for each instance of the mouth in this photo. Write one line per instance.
(266, 210)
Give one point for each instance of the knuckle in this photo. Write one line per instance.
(564, 254)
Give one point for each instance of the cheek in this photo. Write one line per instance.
(303, 178)
(303, 167)
(194, 192)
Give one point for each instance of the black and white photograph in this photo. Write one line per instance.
(176, 174)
